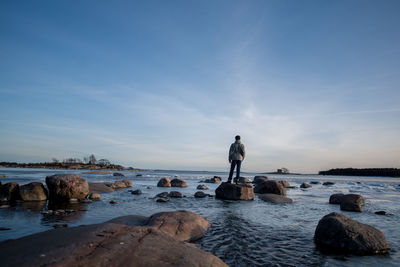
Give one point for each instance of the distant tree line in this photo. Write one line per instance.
(387, 172)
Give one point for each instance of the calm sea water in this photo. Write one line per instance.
(243, 233)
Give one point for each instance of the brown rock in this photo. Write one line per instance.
(33, 192)
(285, 184)
(9, 192)
(336, 198)
(235, 192)
(127, 183)
(337, 233)
(352, 202)
(164, 182)
(118, 174)
(214, 180)
(63, 187)
(175, 194)
(100, 188)
(202, 187)
(270, 187)
(162, 200)
(328, 183)
(200, 194)
(136, 192)
(259, 179)
(305, 185)
(182, 225)
(178, 183)
(94, 196)
(274, 198)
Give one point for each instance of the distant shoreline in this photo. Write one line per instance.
(383, 172)
(67, 166)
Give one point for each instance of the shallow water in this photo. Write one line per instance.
(243, 233)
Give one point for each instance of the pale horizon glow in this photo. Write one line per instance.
(309, 85)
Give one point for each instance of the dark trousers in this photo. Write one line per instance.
(234, 163)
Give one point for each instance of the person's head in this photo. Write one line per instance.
(237, 137)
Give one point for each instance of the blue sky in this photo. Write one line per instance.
(309, 85)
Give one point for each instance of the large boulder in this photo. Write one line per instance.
(164, 182)
(270, 187)
(33, 192)
(106, 244)
(235, 192)
(352, 202)
(337, 233)
(274, 198)
(9, 192)
(336, 198)
(63, 187)
(178, 183)
(182, 225)
(259, 179)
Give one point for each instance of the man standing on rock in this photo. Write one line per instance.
(236, 156)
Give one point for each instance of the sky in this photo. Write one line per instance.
(308, 85)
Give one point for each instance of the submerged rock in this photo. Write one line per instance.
(118, 174)
(162, 199)
(162, 194)
(328, 183)
(337, 233)
(164, 182)
(382, 212)
(178, 183)
(33, 192)
(9, 192)
(113, 202)
(202, 187)
(63, 187)
(175, 194)
(200, 194)
(136, 192)
(235, 192)
(214, 180)
(270, 187)
(305, 185)
(315, 182)
(274, 198)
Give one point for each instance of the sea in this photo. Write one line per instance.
(243, 233)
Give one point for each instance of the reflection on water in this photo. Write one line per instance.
(243, 233)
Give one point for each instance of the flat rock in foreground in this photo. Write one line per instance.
(274, 198)
(337, 233)
(235, 192)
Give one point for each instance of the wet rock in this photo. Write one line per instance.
(9, 192)
(182, 225)
(4, 228)
(235, 192)
(178, 183)
(163, 194)
(274, 198)
(4, 206)
(259, 179)
(162, 199)
(214, 180)
(202, 187)
(33, 192)
(164, 182)
(337, 233)
(285, 184)
(270, 187)
(305, 185)
(56, 226)
(200, 194)
(315, 182)
(121, 184)
(175, 194)
(149, 187)
(382, 212)
(336, 198)
(107, 244)
(352, 202)
(63, 187)
(100, 188)
(94, 196)
(85, 200)
(328, 183)
(113, 202)
(136, 192)
(242, 180)
(118, 174)
(139, 175)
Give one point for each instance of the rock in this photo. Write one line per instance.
(149, 187)
(106, 244)
(214, 180)
(315, 182)
(139, 175)
(235, 192)
(328, 183)
(4, 206)
(182, 225)
(164, 182)
(178, 183)
(336, 198)
(162, 199)
(242, 180)
(2, 176)
(270, 187)
(100, 188)
(56, 226)
(352, 202)
(136, 192)
(118, 174)
(259, 179)
(94, 196)
(4, 228)
(202, 187)
(200, 194)
(285, 184)
(33, 192)
(382, 212)
(274, 198)
(175, 194)
(163, 194)
(127, 183)
(337, 233)
(113, 202)
(63, 187)
(121, 184)
(9, 192)
(304, 185)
